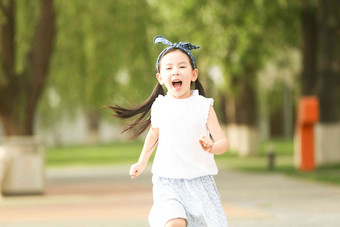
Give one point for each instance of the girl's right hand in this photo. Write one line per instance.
(136, 169)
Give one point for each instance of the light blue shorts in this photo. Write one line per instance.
(196, 200)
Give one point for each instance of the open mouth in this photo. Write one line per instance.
(177, 84)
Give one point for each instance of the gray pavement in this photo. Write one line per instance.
(105, 196)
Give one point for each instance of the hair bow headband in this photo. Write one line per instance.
(186, 47)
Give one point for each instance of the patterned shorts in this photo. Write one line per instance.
(196, 200)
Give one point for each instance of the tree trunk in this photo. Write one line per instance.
(288, 112)
(92, 117)
(245, 104)
(13, 126)
(328, 130)
(242, 117)
(309, 49)
(230, 111)
(329, 60)
(222, 108)
(19, 94)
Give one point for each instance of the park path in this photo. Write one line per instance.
(105, 196)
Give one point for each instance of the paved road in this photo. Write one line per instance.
(105, 196)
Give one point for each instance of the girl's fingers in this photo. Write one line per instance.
(135, 171)
(202, 144)
(132, 170)
(206, 144)
(134, 174)
(202, 140)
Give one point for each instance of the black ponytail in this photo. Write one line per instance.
(199, 87)
(143, 120)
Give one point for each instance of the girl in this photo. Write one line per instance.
(181, 122)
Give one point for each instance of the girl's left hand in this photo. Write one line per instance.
(206, 144)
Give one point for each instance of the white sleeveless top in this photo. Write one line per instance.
(181, 123)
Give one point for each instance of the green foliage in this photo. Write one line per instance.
(26, 11)
(279, 76)
(239, 36)
(96, 44)
(104, 52)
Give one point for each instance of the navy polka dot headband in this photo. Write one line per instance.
(186, 47)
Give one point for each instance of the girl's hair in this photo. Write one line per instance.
(142, 111)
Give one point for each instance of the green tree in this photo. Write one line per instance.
(237, 36)
(27, 37)
(102, 53)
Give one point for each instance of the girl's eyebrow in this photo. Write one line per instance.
(183, 62)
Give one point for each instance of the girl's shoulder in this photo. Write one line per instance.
(159, 98)
(158, 101)
(205, 100)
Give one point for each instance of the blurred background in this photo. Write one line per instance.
(62, 61)
(272, 67)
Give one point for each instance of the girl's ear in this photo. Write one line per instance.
(194, 75)
(159, 78)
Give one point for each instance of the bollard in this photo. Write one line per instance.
(308, 115)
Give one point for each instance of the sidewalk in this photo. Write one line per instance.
(105, 196)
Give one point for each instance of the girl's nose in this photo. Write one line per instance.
(175, 71)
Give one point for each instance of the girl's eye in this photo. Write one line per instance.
(167, 68)
(182, 67)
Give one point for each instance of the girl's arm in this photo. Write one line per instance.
(221, 143)
(150, 144)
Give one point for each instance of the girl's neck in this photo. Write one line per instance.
(183, 97)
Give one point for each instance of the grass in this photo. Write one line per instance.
(259, 161)
(105, 154)
(284, 163)
(128, 153)
(327, 174)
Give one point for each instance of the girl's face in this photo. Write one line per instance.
(176, 74)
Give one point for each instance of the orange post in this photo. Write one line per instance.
(308, 115)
